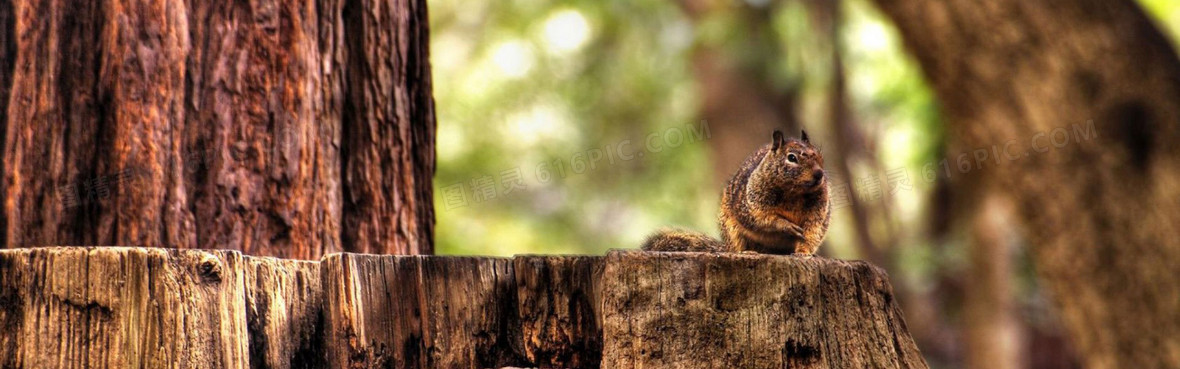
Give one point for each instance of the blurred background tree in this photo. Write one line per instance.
(581, 126)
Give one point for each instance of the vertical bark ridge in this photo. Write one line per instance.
(291, 129)
(384, 128)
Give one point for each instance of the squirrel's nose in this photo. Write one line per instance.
(817, 177)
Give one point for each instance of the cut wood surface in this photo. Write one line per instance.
(418, 311)
(689, 310)
(121, 308)
(146, 307)
(284, 313)
(559, 311)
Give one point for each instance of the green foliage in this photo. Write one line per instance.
(540, 89)
(528, 88)
(1166, 13)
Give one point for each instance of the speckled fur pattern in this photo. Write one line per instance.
(777, 203)
(682, 240)
(776, 207)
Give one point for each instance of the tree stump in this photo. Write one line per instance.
(284, 313)
(148, 307)
(691, 310)
(121, 308)
(418, 311)
(559, 311)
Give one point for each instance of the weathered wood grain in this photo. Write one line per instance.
(121, 308)
(419, 311)
(284, 313)
(149, 307)
(693, 310)
(558, 310)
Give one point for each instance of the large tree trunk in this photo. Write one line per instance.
(276, 128)
(1100, 202)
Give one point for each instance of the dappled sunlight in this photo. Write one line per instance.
(566, 31)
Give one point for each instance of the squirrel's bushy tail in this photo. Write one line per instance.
(681, 240)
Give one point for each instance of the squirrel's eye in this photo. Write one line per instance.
(792, 158)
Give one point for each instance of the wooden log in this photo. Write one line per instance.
(691, 310)
(148, 307)
(558, 310)
(419, 311)
(284, 313)
(121, 308)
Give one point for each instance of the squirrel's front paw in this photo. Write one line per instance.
(794, 229)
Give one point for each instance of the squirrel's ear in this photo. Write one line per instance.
(777, 140)
(804, 137)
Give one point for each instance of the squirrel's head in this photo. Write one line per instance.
(797, 163)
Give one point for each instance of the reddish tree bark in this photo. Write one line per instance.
(277, 128)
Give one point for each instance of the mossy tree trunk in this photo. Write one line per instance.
(278, 128)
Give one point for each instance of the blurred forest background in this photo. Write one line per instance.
(582, 126)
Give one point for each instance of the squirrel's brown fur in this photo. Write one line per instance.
(681, 240)
(777, 203)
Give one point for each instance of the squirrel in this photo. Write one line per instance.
(777, 203)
